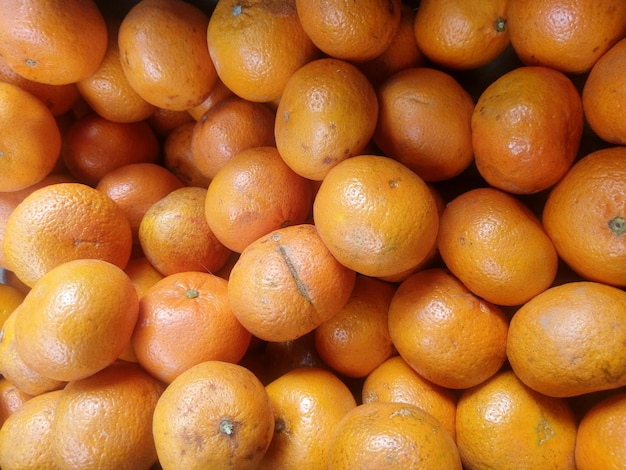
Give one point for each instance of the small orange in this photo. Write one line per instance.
(218, 93)
(376, 216)
(308, 402)
(496, 246)
(327, 113)
(163, 121)
(254, 193)
(11, 399)
(214, 415)
(287, 283)
(178, 157)
(142, 274)
(10, 298)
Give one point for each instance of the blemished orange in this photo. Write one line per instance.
(462, 35)
(62, 222)
(326, 114)
(257, 63)
(55, 42)
(447, 334)
(11, 399)
(600, 439)
(93, 146)
(391, 435)
(26, 436)
(118, 402)
(424, 122)
(31, 143)
(287, 283)
(218, 93)
(376, 216)
(396, 381)
(569, 35)
(56, 333)
(356, 340)
(604, 97)
(526, 129)
(214, 415)
(496, 246)
(164, 53)
(178, 158)
(10, 298)
(185, 319)
(175, 237)
(232, 125)
(585, 216)
(302, 433)
(253, 194)
(568, 340)
(344, 32)
(503, 424)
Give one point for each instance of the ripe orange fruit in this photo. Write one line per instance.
(566, 340)
(600, 439)
(503, 424)
(356, 340)
(214, 415)
(76, 320)
(31, 143)
(175, 237)
(254, 193)
(396, 381)
(568, 35)
(424, 122)
(462, 35)
(218, 93)
(142, 274)
(163, 121)
(55, 42)
(62, 222)
(526, 129)
(178, 157)
(10, 298)
(342, 31)
(376, 216)
(165, 55)
(271, 45)
(308, 402)
(185, 319)
(396, 435)
(105, 420)
(11, 399)
(585, 216)
(327, 113)
(496, 246)
(287, 283)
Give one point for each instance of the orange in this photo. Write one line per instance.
(308, 402)
(503, 424)
(526, 129)
(31, 142)
(185, 319)
(105, 421)
(163, 121)
(396, 381)
(567, 35)
(178, 158)
(76, 320)
(424, 122)
(496, 246)
(462, 35)
(11, 399)
(62, 222)
(342, 31)
(93, 146)
(10, 298)
(327, 113)
(391, 435)
(214, 415)
(175, 236)
(287, 283)
(142, 274)
(26, 437)
(376, 216)
(356, 340)
(604, 97)
(585, 216)
(55, 42)
(164, 53)
(269, 47)
(568, 341)
(218, 93)
(254, 193)
(600, 439)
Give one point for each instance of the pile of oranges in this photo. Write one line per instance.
(313, 234)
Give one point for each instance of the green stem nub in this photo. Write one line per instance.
(500, 24)
(618, 225)
(192, 293)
